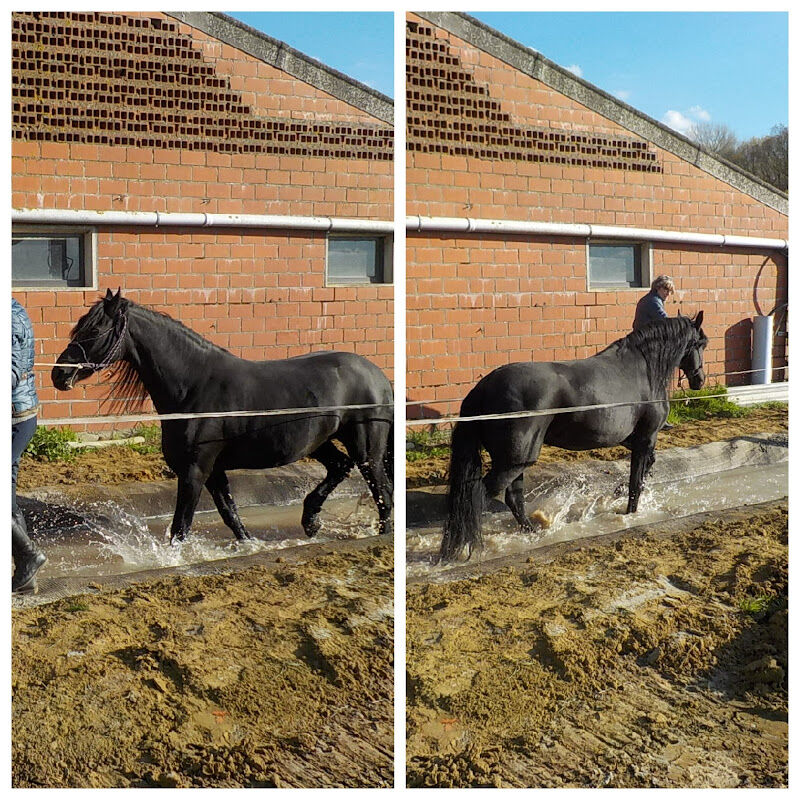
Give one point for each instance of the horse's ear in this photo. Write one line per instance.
(698, 320)
(112, 302)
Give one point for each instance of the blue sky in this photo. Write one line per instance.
(677, 67)
(358, 44)
(729, 68)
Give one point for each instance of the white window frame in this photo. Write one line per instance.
(645, 263)
(54, 231)
(387, 242)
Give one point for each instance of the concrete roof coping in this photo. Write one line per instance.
(537, 66)
(285, 58)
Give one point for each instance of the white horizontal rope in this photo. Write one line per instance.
(318, 410)
(714, 375)
(125, 418)
(546, 412)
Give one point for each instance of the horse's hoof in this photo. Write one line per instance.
(312, 527)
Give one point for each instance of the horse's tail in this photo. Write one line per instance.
(465, 494)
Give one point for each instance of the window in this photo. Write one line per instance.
(358, 260)
(614, 265)
(51, 259)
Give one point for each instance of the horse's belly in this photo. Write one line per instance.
(276, 446)
(588, 431)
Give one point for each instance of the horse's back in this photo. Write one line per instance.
(539, 385)
(325, 378)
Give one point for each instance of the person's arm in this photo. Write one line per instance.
(658, 308)
(17, 340)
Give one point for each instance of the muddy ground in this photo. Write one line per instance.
(656, 660)
(260, 678)
(431, 467)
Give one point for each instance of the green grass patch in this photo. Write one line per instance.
(152, 439)
(433, 443)
(51, 444)
(704, 404)
(755, 606)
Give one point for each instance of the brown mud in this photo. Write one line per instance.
(430, 470)
(656, 660)
(109, 465)
(266, 677)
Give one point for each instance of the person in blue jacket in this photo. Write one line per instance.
(651, 306)
(24, 409)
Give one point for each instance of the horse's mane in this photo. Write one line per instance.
(127, 393)
(661, 344)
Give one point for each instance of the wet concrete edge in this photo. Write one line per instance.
(277, 486)
(52, 589)
(548, 553)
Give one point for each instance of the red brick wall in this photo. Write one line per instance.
(259, 294)
(475, 302)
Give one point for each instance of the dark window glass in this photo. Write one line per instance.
(615, 265)
(48, 260)
(356, 260)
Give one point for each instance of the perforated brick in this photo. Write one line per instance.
(450, 113)
(113, 79)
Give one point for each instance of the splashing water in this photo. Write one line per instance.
(109, 539)
(589, 504)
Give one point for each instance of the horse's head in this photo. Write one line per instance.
(692, 360)
(96, 342)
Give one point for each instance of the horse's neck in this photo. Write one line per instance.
(168, 362)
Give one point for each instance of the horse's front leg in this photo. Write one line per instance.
(642, 459)
(190, 484)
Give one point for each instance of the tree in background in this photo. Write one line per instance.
(766, 157)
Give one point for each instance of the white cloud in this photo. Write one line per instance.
(683, 122)
(622, 94)
(677, 121)
(575, 70)
(700, 114)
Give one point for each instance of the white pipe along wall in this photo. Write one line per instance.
(158, 219)
(585, 230)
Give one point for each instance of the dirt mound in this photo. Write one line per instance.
(260, 678)
(659, 660)
(109, 465)
(425, 470)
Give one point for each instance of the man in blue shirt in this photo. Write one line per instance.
(651, 306)
(24, 410)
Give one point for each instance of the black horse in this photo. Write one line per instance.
(184, 373)
(633, 371)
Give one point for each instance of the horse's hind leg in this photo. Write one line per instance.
(367, 445)
(515, 500)
(217, 484)
(509, 478)
(338, 466)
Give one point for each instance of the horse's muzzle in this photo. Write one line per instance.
(696, 379)
(66, 376)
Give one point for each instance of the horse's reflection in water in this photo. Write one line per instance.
(184, 373)
(630, 376)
